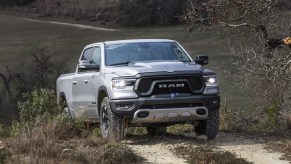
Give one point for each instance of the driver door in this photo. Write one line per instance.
(83, 84)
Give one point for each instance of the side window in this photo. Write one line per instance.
(87, 54)
(96, 55)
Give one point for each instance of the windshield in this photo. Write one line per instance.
(118, 54)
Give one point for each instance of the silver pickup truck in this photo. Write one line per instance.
(150, 82)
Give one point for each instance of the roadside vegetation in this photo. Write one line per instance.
(42, 135)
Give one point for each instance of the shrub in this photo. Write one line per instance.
(114, 152)
(45, 134)
(40, 103)
(5, 131)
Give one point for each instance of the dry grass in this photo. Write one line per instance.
(63, 141)
(282, 145)
(206, 155)
(114, 152)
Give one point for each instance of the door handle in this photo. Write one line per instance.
(86, 81)
(75, 82)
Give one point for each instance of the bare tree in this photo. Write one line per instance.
(7, 79)
(253, 14)
(41, 72)
(263, 62)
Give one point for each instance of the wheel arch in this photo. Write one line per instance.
(102, 92)
(61, 95)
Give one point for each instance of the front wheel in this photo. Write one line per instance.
(112, 126)
(210, 126)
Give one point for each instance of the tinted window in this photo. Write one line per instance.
(87, 54)
(96, 55)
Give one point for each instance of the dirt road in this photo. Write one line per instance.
(159, 150)
(80, 26)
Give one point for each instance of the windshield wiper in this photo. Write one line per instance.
(123, 63)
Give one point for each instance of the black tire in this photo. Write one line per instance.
(156, 130)
(210, 126)
(112, 126)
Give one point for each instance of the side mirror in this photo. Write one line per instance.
(87, 65)
(201, 59)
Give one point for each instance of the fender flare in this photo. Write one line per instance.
(61, 94)
(101, 89)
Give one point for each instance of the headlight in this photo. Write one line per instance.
(122, 83)
(210, 80)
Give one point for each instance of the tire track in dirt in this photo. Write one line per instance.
(159, 153)
(251, 148)
(157, 150)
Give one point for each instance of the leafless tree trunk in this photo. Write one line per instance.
(7, 81)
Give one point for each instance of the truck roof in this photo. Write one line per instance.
(137, 41)
(131, 41)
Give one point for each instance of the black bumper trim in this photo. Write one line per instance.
(210, 102)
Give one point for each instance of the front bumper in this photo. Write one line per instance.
(159, 110)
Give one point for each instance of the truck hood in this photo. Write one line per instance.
(149, 67)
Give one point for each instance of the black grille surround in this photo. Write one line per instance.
(169, 84)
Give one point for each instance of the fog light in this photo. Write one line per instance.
(143, 114)
(201, 112)
(128, 106)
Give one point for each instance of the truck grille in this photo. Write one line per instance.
(147, 86)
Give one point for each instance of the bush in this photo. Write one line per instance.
(45, 134)
(40, 103)
(114, 152)
(262, 120)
